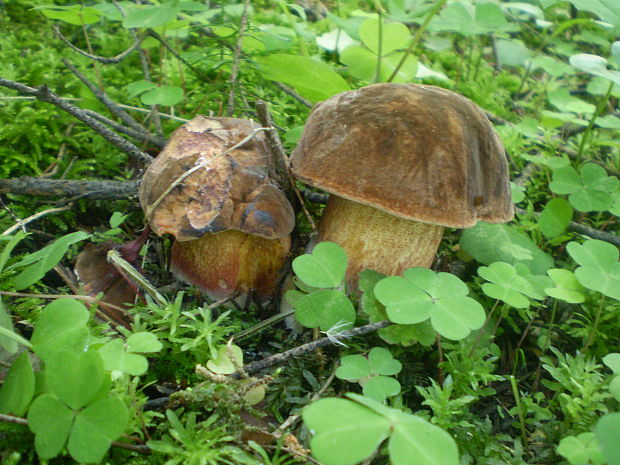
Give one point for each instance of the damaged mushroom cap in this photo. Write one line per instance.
(407, 158)
(201, 183)
(211, 187)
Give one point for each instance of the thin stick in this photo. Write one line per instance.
(142, 136)
(237, 58)
(105, 60)
(34, 217)
(103, 98)
(102, 190)
(44, 94)
(279, 359)
(287, 90)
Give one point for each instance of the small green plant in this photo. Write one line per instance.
(346, 432)
(372, 373)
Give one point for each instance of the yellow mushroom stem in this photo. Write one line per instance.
(230, 263)
(377, 240)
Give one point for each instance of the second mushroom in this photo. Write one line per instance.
(212, 188)
(401, 162)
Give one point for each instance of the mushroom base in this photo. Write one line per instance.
(376, 240)
(230, 263)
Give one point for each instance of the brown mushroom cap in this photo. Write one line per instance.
(415, 151)
(231, 190)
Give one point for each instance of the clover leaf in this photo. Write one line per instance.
(325, 266)
(421, 293)
(589, 190)
(346, 432)
(583, 448)
(555, 217)
(507, 285)
(61, 325)
(324, 309)
(599, 268)
(566, 287)
(229, 358)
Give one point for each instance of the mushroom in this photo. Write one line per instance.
(211, 187)
(401, 162)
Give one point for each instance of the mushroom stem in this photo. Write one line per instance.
(376, 240)
(230, 263)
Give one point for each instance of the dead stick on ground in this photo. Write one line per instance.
(44, 94)
(235, 67)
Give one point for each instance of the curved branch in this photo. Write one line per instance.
(106, 60)
(44, 94)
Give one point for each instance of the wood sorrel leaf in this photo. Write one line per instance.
(344, 432)
(325, 309)
(325, 266)
(50, 420)
(75, 378)
(95, 428)
(61, 326)
(599, 268)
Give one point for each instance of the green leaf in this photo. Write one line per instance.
(115, 358)
(565, 102)
(590, 190)
(75, 379)
(50, 420)
(512, 52)
(607, 10)
(325, 309)
(361, 62)
(607, 430)
(599, 267)
(595, 65)
(581, 449)
(353, 367)
(345, 432)
(61, 326)
(614, 387)
(72, 14)
(229, 357)
(393, 36)
(18, 387)
(454, 318)
(566, 288)
(95, 428)
(613, 361)
(405, 303)
(381, 387)
(487, 244)
(7, 342)
(149, 16)
(422, 443)
(382, 363)
(162, 95)
(406, 335)
(325, 266)
(44, 260)
(143, 342)
(506, 285)
(555, 217)
(138, 87)
(313, 79)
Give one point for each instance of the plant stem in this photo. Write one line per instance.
(416, 38)
(379, 42)
(483, 329)
(597, 112)
(515, 393)
(597, 320)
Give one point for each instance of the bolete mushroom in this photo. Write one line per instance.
(211, 187)
(402, 161)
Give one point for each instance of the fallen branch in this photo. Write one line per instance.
(278, 359)
(100, 190)
(106, 60)
(44, 94)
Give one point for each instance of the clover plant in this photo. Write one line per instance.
(345, 432)
(372, 373)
